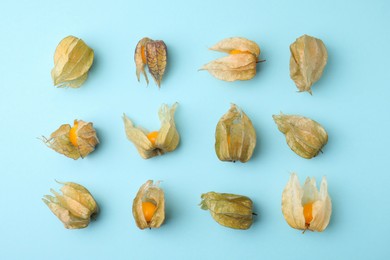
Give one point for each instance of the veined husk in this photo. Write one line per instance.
(149, 192)
(86, 138)
(74, 207)
(305, 137)
(168, 137)
(294, 198)
(307, 62)
(72, 61)
(235, 136)
(229, 210)
(241, 62)
(154, 55)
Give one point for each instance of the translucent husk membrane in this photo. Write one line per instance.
(72, 61)
(74, 207)
(241, 62)
(152, 54)
(74, 142)
(235, 136)
(295, 198)
(167, 137)
(304, 136)
(229, 210)
(149, 192)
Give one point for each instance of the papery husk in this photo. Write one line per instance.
(60, 142)
(74, 207)
(229, 210)
(307, 62)
(168, 137)
(304, 136)
(154, 55)
(140, 51)
(237, 43)
(233, 67)
(294, 197)
(236, 127)
(241, 62)
(149, 192)
(72, 61)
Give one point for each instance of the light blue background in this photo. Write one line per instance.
(351, 101)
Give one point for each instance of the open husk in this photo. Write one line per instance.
(74, 207)
(149, 192)
(167, 137)
(306, 208)
(73, 142)
(307, 62)
(72, 61)
(154, 55)
(241, 62)
(235, 136)
(229, 210)
(304, 136)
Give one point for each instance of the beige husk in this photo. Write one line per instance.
(240, 65)
(155, 54)
(307, 62)
(74, 207)
(294, 197)
(149, 192)
(60, 142)
(235, 136)
(72, 61)
(168, 137)
(230, 210)
(304, 136)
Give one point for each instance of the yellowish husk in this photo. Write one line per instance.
(74, 207)
(304, 136)
(72, 61)
(235, 136)
(168, 137)
(294, 198)
(308, 60)
(149, 192)
(237, 66)
(60, 142)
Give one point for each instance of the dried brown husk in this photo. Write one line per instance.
(149, 192)
(72, 61)
(241, 62)
(86, 138)
(168, 137)
(74, 207)
(229, 210)
(307, 62)
(235, 136)
(154, 55)
(305, 136)
(294, 198)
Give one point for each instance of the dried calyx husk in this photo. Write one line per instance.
(72, 61)
(149, 206)
(305, 136)
(306, 208)
(235, 136)
(307, 62)
(229, 210)
(74, 141)
(154, 55)
(75, 207)
(241, 62)
(150, 144)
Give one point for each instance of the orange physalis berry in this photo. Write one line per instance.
(148, 209)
